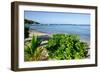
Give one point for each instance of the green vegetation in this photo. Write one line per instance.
(59, 47)
(33, 51)
(62, 46)
(30, 48)
(26, 21)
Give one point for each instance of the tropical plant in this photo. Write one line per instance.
(64, 46)
(30, 48)
(40, 54)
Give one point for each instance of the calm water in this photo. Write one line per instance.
(82, 30)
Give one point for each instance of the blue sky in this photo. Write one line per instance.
(57, 17)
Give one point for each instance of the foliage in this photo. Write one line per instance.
(30, 48)
(59, 47)
(40, 54)
(26, 21)
(63, 46)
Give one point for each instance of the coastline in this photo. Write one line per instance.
(45, 35)
(37, 33)
(41, 35)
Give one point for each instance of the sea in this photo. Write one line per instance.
(83, 30)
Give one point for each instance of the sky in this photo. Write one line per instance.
(58, 17)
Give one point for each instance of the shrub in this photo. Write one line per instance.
(63, 46)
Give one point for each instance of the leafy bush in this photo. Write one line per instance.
(63, 46)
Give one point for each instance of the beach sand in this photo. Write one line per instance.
(37, 33)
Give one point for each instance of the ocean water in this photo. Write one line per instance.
(82, 30)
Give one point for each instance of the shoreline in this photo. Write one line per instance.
(42, 34)
(37, 33)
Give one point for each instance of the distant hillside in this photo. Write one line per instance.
(26, 21)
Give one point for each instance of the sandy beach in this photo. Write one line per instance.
(36, 33)
(41, 35)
